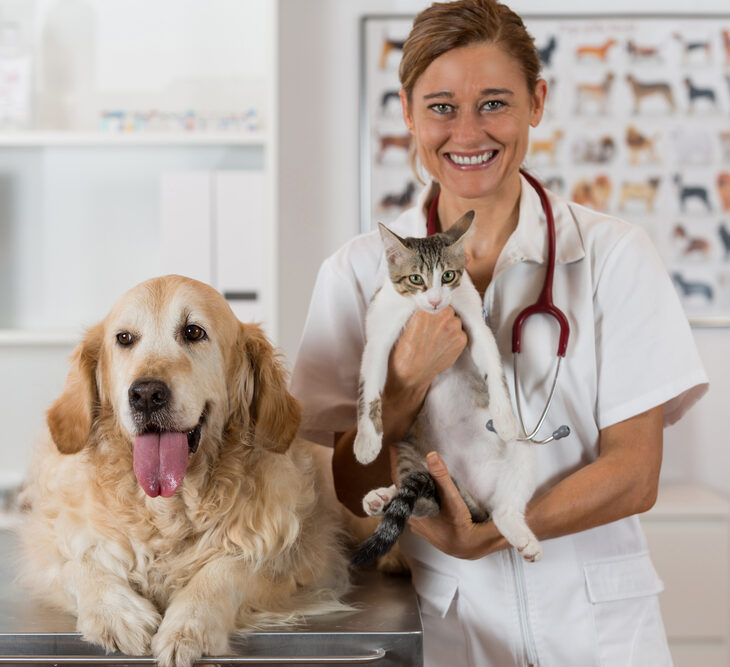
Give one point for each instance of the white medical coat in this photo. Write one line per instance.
(592, 600)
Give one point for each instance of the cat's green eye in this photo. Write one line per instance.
(448, 277)
(415, 279)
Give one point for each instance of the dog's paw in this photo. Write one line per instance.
(367, 443)
(126, 626)
(375, 502)
(505, 423)
(179, 643)
(532, 551)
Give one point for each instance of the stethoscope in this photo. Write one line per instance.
(544, 305)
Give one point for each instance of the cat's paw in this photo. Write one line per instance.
(505, 423)
(375, 502)
(368, 443)
(532, 551)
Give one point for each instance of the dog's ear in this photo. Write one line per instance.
(261, 391)
(70, 417)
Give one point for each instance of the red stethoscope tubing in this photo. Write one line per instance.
(544, 304)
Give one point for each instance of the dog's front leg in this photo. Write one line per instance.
(201, 616)
(109, 612)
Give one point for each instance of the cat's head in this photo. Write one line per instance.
(428, 269)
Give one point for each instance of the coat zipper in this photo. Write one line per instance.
(528, 639)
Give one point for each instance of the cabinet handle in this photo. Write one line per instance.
(241, 296)
(369, 658)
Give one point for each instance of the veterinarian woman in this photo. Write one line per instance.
(470, 93)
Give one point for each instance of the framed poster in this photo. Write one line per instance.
(637, 124)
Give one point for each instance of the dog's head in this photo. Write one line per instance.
(174, 371)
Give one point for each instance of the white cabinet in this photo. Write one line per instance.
(127, 96)
(688, 531)
(213, 229)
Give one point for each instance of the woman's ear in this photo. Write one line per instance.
(406, 108)
(261, 391)
(70, 417)
(538, 102)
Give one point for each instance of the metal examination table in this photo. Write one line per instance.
(385, 631)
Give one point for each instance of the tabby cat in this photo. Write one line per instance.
(494, 472)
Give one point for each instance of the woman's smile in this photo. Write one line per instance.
(471, 161)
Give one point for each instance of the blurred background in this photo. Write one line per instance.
(237, 142)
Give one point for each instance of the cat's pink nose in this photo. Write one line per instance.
(434, 302)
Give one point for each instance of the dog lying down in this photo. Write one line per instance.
(172, 504)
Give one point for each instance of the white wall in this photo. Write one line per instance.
(319, 187)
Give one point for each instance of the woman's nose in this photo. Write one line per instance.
(467, 129)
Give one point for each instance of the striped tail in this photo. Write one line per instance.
(415, 485)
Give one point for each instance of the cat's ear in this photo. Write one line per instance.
(461, 229)
(393, 244)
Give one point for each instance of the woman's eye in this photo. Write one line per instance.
(448, 277)
(492, 105)
(441, 108)
(125, 338)
(194, 333)
(416, 279)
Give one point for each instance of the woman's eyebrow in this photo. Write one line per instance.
(486, 92)
(442, 93)
(497, 91)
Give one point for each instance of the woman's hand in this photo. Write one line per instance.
(452, 529)
(430, 343)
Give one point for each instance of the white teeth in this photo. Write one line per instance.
(474, 159)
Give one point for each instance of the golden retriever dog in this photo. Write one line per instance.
(171, 504)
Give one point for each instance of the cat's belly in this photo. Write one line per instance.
(453, 422)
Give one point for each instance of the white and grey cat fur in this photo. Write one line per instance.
(494, 472)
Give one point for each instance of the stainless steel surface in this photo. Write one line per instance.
(376, 656)
(385, 630)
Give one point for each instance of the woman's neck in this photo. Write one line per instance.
(495, 217)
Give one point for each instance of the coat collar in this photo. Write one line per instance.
(528, 243)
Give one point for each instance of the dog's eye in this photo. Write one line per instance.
(194, 333)
(125, 338)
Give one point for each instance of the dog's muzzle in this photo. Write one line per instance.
(161, 449)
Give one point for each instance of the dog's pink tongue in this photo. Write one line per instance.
(160, 462)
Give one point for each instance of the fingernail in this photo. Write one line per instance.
(433, 460)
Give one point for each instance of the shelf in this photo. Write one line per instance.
(40, 337)
(41, 139)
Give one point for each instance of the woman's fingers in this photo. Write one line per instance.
(452, 504)
(429, 344)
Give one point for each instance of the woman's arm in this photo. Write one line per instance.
(622, 481)
(430, 343)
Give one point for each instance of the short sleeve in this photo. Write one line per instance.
(327, 368)
(646, 353)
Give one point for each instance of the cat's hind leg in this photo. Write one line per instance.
(510, 521)
(515, 486)
(375, 502)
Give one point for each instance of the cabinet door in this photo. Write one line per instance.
(242, 230)
(186, 215)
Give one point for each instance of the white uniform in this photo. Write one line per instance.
(592, 600)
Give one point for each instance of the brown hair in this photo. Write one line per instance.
(449, 25)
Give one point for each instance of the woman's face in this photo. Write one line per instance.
(470, 115)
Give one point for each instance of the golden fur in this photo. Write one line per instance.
(249, 538)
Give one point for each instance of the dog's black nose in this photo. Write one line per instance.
(148, 396)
